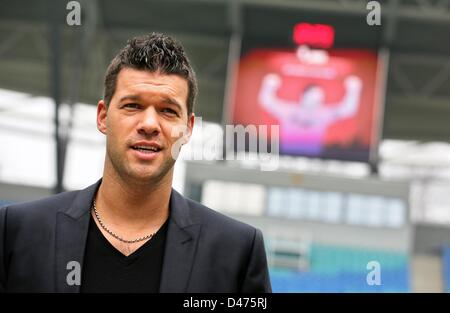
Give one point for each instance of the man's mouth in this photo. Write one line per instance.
(146, 149)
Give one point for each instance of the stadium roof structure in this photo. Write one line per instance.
(415, 32)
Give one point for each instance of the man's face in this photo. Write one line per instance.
(144, 121)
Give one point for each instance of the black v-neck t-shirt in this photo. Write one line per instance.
(106, 269)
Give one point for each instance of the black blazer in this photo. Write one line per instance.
(205, 251)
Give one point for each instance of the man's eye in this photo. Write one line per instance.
(131, 105)
(167, 110)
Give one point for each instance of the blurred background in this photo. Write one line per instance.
(359, 198)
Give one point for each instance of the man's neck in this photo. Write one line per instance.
(136, 204)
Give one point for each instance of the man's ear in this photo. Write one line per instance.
(191, 120)
(102, 111)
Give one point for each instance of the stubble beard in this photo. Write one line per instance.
(129, 172)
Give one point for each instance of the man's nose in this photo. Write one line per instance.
(149, 124)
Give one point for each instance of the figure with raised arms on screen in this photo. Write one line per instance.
(305, 121)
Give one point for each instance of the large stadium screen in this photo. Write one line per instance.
(326, 102)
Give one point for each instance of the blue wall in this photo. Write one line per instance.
(340, 269)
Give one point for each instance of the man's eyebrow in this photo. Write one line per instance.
(130, 97)
(168, 100)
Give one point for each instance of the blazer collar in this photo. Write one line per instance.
(72, 224)
(181, 245)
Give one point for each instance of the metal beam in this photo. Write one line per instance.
(55, 48)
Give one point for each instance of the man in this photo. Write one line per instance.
(131, 232)
(304, 123)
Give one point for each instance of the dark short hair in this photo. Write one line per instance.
(155, 53)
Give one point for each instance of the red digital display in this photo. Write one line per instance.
(314, 35)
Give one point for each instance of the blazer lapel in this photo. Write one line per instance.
(71, 234)
(181, 244)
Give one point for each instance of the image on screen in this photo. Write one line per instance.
(324, 102)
